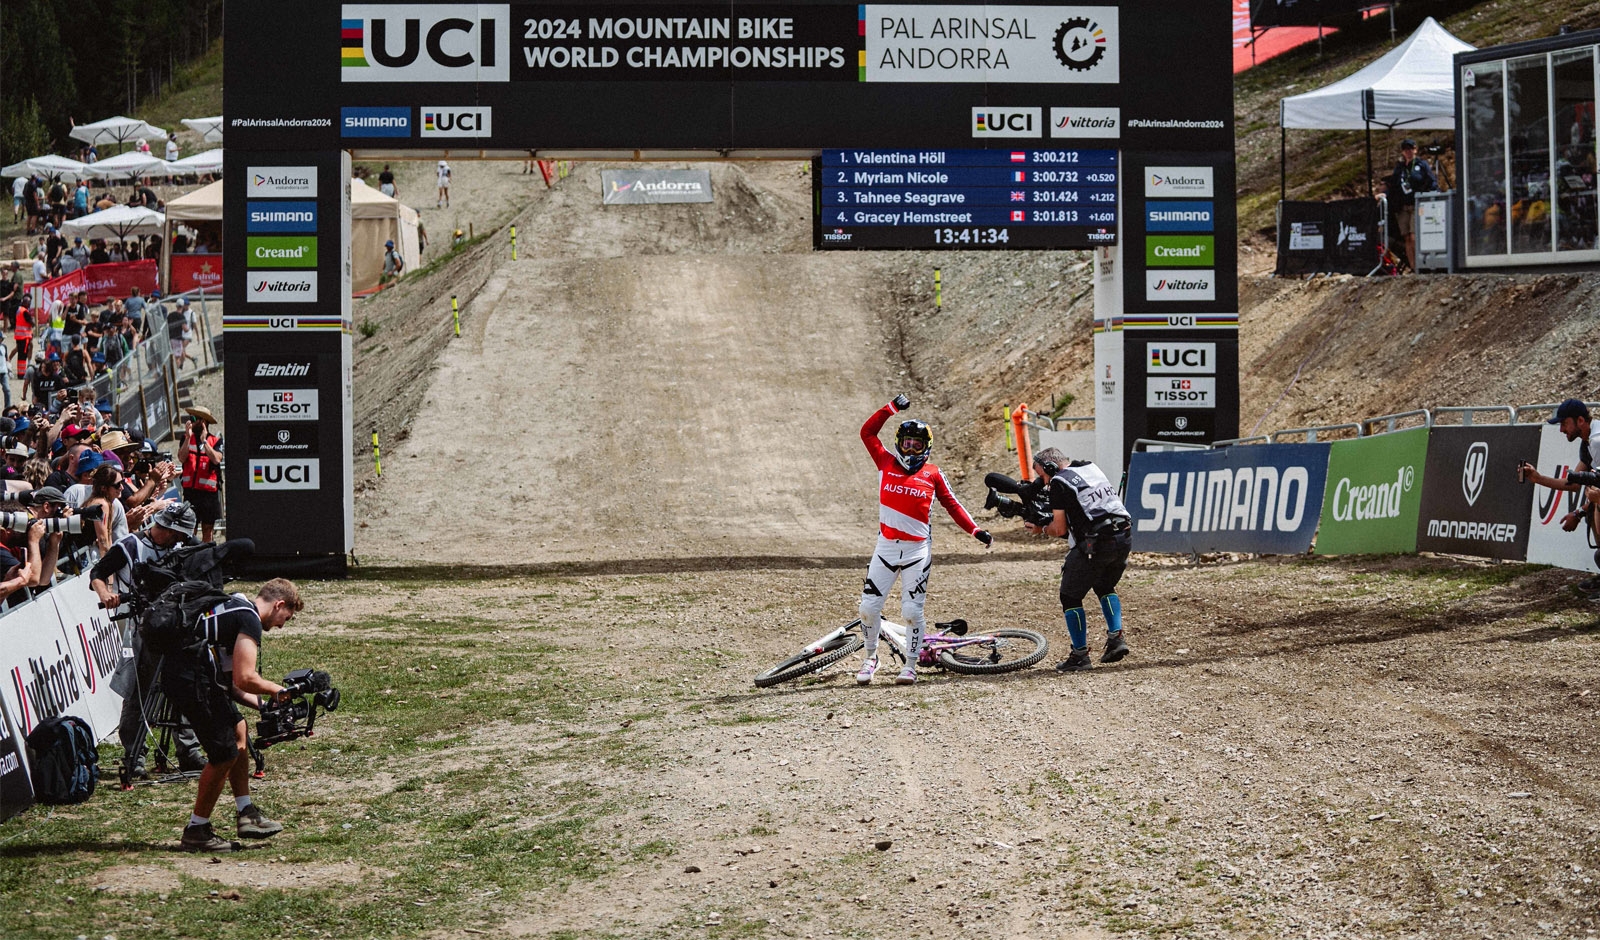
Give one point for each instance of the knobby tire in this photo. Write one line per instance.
(806, 661)
(973, 660)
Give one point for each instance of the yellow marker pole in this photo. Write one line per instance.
(513, 243)
(455, 313)
(1011, 442)
(377, 462)
(938, 289)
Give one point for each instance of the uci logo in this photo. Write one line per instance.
(441, 42)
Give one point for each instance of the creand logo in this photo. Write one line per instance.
(1007, 122)
(1473, 471)
(1352, 503)
(1246, 499)
(441, 42)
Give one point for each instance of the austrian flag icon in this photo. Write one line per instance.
(1019, 156)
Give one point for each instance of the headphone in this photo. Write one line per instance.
(1050, 467)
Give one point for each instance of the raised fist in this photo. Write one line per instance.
(901, 403)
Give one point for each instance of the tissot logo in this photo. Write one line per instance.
(439, 42)
(278, 405)
(457, 122)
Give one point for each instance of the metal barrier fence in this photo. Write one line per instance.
(141, 387)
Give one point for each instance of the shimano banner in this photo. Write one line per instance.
(652, 187)
(1264, 498)
(1472, 503)
(1548, 544)
(1374, 494)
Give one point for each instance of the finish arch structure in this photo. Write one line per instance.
(309, 83)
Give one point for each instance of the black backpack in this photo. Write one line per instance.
(170, 623)
(202, 561)
(64, 763)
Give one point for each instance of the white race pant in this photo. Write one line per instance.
(912, 562)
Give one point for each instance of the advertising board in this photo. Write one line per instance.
(1266, 499)
(60, 653)
(1548, 544)
(16, 789)
(1472, 503)
(654, 187)
(1374, 494)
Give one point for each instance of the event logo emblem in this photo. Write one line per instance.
(424, 43)
(1474, 470)
(1180, 422)
(1080, 44)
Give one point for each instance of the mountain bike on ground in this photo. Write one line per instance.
(948, 645)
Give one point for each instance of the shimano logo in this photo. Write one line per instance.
(1157, 216)
(259, 215)
(375, 122)
(271, 370)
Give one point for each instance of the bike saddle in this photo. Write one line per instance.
(958, 627)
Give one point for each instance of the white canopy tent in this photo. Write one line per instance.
(115, 222)
(209, 128)
(206, 161)
(1410, 86)
(117, 130)
(129, 165)
(49, 166)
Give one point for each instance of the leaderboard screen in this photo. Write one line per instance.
(965, 199)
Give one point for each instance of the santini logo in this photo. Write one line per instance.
(425, 43)
(284, 370)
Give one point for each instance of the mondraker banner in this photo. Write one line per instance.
(1472, 503)
(1264, 498)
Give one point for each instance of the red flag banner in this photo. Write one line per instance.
(194, 272)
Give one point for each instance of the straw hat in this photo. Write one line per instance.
(202, 414)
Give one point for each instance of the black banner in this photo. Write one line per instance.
(1339, 237)
(1472, 503)
(16, 790)
(308, 74)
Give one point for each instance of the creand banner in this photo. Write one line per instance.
(654, 187)
(1265, 498)
(58, 654)
(1548, 544)
(1374, 494)
(1472, 503)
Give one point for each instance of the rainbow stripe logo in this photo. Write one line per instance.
(427, 121)
(352, 43)
(861, 30)
(983, 124)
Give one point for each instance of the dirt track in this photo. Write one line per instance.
(653, 427)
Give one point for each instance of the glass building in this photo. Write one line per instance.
(1526, 150)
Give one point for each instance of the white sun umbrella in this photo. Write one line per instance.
(49, 166)
(117, 130)
(115, 222)
(209, 128)
(206, 161)
(130, 164)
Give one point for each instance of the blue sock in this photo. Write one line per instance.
(1078, 628)
(1111, 606)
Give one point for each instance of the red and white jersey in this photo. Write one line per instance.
(906, 499)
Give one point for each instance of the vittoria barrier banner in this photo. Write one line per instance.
(59, 654)
(1472, 503)
(1548, 544)
(16, 788)
(652, 187)
(1374, 494)
(1264, 499)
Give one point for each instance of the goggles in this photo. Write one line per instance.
(912, 445)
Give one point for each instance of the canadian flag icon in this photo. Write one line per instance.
(1016, 215)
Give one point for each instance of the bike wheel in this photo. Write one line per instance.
(811, 660)
(1002, 651)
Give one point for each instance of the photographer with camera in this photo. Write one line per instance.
(1083, 502)
(115, 580)
(29, 558)
(200, 454)
(203, 683)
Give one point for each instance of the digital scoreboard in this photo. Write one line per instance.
(965, 199)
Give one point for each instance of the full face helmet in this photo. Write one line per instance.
(913, 441)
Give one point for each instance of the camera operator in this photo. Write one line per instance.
(200, 453)
(114, 580)
(203, 686)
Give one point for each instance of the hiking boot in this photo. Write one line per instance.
(253, 825)
(1079, 661)
(868, 669)
(1116, 648)
(907, 676)
(201, 838)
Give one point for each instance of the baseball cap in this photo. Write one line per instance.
(72, 430)
(23, 424)
(88, 462)
(1408, 142)
(1571, 408)
(47, 494)
(388, 244)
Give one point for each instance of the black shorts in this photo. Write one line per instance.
(207, 504)
(191, 688)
